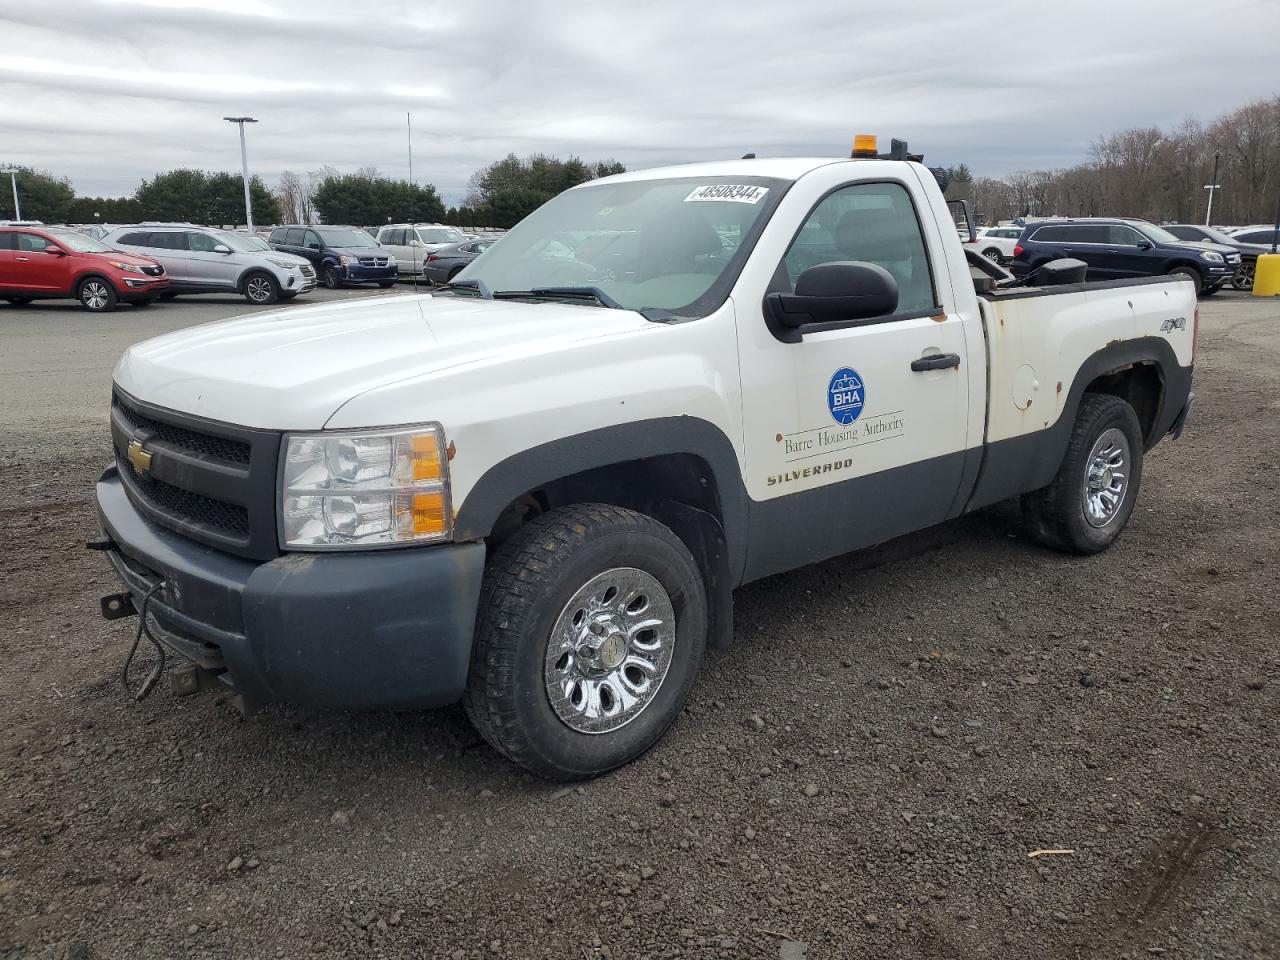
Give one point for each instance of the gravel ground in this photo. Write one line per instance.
(863, 774)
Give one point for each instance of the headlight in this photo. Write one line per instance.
(344, 259)
(353, 490)
(282, 264)
(126, 267)
(1212, 257)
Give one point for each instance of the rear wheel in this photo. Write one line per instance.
(19, 301)
(96, 295)
(261, 288)
(1243, 279)
(592, 626)
(1190, 273)
(454, 272)
(991, 253)
(1088, 503)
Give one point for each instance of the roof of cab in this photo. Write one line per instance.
(781, 168)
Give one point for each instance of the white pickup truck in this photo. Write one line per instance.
(535, 491)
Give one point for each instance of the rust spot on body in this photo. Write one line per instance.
(939, 318)
(451, 450)
(1059, 386)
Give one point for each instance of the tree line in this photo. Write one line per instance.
(1151, 174)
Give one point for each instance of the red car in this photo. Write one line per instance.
(56, 263)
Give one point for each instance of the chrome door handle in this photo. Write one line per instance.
(23, 259)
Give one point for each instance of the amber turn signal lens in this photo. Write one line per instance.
(426, 457)
(428, 513)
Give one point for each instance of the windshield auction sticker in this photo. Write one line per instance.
(732, 192)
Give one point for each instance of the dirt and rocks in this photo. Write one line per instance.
(864, 774)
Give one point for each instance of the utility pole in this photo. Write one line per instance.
(244, 167)
(13, 179)
(1212, 188)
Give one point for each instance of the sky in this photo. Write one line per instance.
(107, 92)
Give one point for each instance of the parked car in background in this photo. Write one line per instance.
(444, 264)
(1120, 248)
(44, 263)
(410, 243)
(1260, 234)
(338, 254)
(205, 260)
(1249, 252)
(995, 243)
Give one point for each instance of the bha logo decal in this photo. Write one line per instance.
(845, 395)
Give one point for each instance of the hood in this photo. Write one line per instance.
(293, 258)
(124, 256)
(359, 252)
(292, 369)
(1252, 249)
(1221, 248)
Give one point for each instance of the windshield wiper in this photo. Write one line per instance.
(567, 293)
(479, 286)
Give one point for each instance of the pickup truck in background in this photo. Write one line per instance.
(536, 490)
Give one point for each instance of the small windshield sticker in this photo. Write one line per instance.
(732, 192)
(845, 395)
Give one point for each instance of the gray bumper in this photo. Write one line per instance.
(378, 629)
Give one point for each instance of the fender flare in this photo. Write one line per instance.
(1021, 464)
(249, 271)
(537, 466)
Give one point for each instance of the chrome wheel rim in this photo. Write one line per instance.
(94, 296)
(331, 278)
(1106, 479)
(259, 289)
(609, 650)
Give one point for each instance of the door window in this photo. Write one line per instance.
(8, 241)
(33, 243)
(294, 237)
(393, 237)
(169, 240)
(311, 239)
(874, 223)
(136, 240)
(1053, 235)
(1123, 236)
(201, 242)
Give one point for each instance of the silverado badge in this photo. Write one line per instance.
(140, 458)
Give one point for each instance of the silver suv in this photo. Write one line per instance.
(410, 243)
(207, 260)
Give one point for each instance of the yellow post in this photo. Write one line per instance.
(1266, 276)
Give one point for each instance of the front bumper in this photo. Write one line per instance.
(387, 629)
(1218, 273)
(130, 288)
(357, 273)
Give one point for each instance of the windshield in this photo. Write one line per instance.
(1158, 234)
(79, 242)
(347, 238)
(673, 245)
(242, 244)
(439, 235)
(1217, 236)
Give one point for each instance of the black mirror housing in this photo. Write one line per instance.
(835, 292)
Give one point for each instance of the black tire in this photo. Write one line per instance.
(96, 295)
(527, 588)
(331, 278)
(19, 301)
(991, 253)
(1057, 515)
(261, 288)
(1243, 280)
(453, 273)
(1191, 273)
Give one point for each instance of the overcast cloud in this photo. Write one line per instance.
(109, 91)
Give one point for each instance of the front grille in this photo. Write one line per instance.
(190, 507)
(210, 481)
(200, 443)
(153, 271)
(374, 261)
(307, 270)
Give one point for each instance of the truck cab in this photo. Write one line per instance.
(536, 490)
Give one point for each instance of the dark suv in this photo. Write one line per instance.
(340, 254)
(1119, 249)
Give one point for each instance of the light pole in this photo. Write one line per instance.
(244, 167)
(13, 178)
(1212, 188)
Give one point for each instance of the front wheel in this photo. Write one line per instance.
(1088, 503)
(261, 288)
(1189, 273)
(96, 295)
(1243, 279)
(331, 278)
(592, 626)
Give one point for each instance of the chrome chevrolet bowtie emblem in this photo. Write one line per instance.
(140, 458)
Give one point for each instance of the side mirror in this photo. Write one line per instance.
(1144, 244)
(221, 248)
(55, 251)
(313, 246)
(834, 293)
